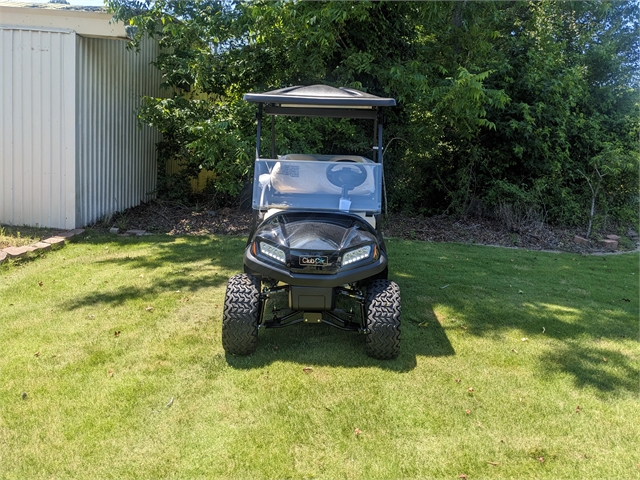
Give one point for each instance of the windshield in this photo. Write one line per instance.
(321, 182)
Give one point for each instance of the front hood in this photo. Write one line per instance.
(315, 231)
(315, 241)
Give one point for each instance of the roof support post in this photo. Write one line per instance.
(375, 135)
(380, 122)
(273, 136)
(259, 117)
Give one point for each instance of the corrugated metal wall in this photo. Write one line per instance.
(116, 160)
(37, 127)
(71, 150)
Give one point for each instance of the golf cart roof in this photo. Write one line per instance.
(320, 101)
(320, 95)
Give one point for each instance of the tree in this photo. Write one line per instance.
(499, 102)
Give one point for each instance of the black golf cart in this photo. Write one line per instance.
(315, 239)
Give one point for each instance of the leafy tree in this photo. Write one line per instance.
(500, 103)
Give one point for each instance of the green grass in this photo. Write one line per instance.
(11, 236)
(535, 335)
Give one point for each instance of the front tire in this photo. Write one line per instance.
(383, 319)
(241, 314)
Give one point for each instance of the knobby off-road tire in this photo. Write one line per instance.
(240, 315)
(383, 319)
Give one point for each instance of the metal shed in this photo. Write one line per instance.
(71, 149)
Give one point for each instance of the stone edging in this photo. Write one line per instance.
(56, 241)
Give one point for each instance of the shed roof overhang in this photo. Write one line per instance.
(85, 21)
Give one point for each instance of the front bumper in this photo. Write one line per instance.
(256, 266)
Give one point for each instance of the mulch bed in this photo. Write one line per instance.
(483, 231)
(177, 219)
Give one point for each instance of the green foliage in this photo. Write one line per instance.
(462, 103)
(493, 96)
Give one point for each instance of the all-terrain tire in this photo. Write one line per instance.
(241, 315)
(383, 319)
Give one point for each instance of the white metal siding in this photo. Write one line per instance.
(116, 159)
(37, 127)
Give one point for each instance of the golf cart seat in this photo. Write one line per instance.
(297, 156)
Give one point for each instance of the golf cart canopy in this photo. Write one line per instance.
(320, 101)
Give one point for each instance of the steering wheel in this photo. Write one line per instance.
(346, 177)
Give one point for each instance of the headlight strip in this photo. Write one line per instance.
(356, 255)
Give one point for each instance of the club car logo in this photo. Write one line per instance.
(317, 261)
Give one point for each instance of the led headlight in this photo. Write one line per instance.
(272, 252)
(356, 255)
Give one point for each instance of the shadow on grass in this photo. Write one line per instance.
(602, 368)
(305, 344)
(322, 345)
(583, 334)
(582, 302)
(421, 274)
(182, 255)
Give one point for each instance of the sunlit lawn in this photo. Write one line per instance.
(514, 364)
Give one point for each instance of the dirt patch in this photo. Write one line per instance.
(177, 219)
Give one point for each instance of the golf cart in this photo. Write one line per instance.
(315, 239)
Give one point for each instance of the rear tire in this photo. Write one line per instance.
(241, 314)
(383, 319)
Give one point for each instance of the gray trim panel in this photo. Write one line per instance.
(320, 112)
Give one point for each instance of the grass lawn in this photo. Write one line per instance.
(514, 364)
(19, 236)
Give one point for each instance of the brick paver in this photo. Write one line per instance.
(609, 244)
(70, 234)
(55, 241)
(16, 252)
(580, 240)
(42, 246)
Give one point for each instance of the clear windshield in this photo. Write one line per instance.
(350, 184)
